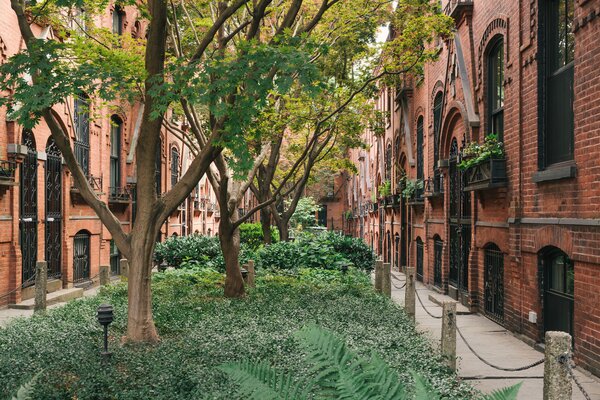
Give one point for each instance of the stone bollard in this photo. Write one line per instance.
(448, 343)
(41, 281)
(124, 265)
(378, 274)
(409, 293)
(557, 382)
(386, 280)
(104, 275)
(251, 274)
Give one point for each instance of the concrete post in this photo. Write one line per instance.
(245, 276)
(251, 274)
(378, 274)
(124, 265)
(41, 281)
(386, 281)
(557, 382)
(448, 344)
(409, 293)
(104, 275)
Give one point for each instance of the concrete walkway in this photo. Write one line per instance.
(9, 314)
(494, 343)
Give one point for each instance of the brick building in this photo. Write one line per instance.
(42, 216)
(515, 237)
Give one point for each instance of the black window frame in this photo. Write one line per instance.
(81, 126)
(438, 102)
(117, 20)
(116, 129)
(175, 156)
(553, 148)
(420, 161)
(388, 162)
(495, 88)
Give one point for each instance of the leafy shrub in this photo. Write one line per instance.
(196, 251)
(281, 256)
(251, 234)
(354, 250)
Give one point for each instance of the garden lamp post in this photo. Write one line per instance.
(344, 268)
(105, 318)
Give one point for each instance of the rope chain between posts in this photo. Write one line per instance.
(398, 287)
(21, 286)
(89, 283)
(523, 368)
(567, 361)
(426, 310)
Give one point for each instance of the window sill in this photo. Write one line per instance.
(555, 173)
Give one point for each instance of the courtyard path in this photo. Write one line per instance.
(493, 342)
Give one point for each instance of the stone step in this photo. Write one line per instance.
(60, 296)
(52, 285)
(439, 299)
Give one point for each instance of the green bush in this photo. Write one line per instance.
(354, 249)
(251, 234)
(280, 256)
(196, 251)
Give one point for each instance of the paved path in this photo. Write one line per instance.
(9, 314)
(494, 343)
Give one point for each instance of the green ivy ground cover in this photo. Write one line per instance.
(201, 330)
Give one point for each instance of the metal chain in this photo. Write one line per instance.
(523, 368)
(567, 360)
(398, 287)
(426, 310)
(17, 288)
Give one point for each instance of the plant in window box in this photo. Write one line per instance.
(484, 164)
(348, 215)
(385, 189)
(412, 187)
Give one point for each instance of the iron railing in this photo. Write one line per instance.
(119, 194)
(453, 8)
(94, 181)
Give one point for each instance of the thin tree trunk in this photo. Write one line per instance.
(265, 222)
(229, 237)
(140, 323)
(284, 230)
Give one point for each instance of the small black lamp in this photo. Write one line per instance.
(244, 273)
(344, 268)
(105, 318)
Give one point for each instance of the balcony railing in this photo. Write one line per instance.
(417, 197)
(94, 181)
(7, 172)
(488, 174)
(119, 195)
(434, 185)
(455, 8)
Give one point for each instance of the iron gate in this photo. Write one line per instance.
(115, 259)
(81, 257)
(53, 227)
(494, 282)
(28, 210)
(460, 224)
(419, 259)
(438, 245)
(559, 291)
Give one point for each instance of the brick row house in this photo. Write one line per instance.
(42, 216)
(515, 236)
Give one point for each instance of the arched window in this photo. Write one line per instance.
(495, 89)
(116, 129)
(117, 20)
(174, 166)
(493, 265)
(420, 173)
(437, 126)
(81, 256)
(388, 162)
(81, 120)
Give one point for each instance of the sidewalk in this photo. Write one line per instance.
(494, 343)
(9, 314)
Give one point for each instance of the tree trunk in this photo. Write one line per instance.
(265, 222)
(229, 238)
(140, 323)
(284, 230)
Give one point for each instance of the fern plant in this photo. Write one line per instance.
(25, 392)
(336, 373)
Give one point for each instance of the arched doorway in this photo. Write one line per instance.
(53, 226)
(419, 246)
(28, 210)
(460, 227)
(558, 290)
(494, 282)
(438, 246)
(388, 239)
(81, 257)
(397, 252)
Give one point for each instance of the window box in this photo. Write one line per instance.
(488, 174)
(94, 181)
(7, 173)
(119, 195)
(417, 197)
(388, 201)
(396, 201)
(434, 186)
